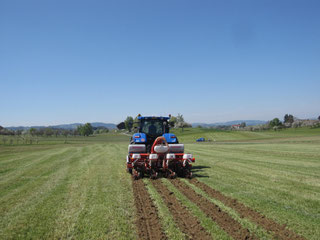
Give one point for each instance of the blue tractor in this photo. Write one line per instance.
(153, 151)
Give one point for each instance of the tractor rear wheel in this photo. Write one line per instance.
(129, 170)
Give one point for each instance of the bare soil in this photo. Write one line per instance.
(148, 222)
(149, 225)
(279, 231)
(223, 219)
(186, 222)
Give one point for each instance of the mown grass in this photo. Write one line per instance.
(279, 179)
(210, 226)
(80, 190)
(189, 135)
(52, 140)
(66, 192)
(167, 221)
(247, 224)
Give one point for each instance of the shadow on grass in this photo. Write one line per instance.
(200, 167)
(198, 171)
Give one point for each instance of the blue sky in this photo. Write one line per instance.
(85, 61)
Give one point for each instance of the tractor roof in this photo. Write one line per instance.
(153, 117)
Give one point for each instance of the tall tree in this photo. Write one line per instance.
(172, 121)
(288, 118)
(121, 126)
(18, 132)
(129, 123)
(85, 130)
(32, 131)
(135, 125)
(180, 121)
(88, 129)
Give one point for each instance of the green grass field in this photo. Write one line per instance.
(79, 189)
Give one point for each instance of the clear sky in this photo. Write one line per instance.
(64, 61)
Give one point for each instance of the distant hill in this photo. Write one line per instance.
(101, 124)
(248, 123)
(70, 126)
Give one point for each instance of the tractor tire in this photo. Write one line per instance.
(154, 176)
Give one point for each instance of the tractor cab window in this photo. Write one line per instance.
(152, 127)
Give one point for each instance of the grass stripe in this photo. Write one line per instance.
(168, 224)
(246, 223)
(210, 226)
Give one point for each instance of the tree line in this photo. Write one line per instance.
(289, 121)
(132, 124)
(81, 130)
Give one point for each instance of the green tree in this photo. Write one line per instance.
(85, 130)
(180, 122)
(243, 125)
(88, 129)
(129, 123)
(275, 122)
(48, 132)
(136, 123)
(56, 132)
(288, 118)
(121, 126)
(80, 130)
(172, 121)
(32, 131)
(65, 133)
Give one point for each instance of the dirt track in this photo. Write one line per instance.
(224, 220)
(188, 224)
(148, 222)
(280, 231)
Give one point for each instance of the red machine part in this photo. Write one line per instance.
(141, 160)
(159, 141)
(144, 157)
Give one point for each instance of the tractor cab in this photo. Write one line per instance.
(154, 126)
(150, 128)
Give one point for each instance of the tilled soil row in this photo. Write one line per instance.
(280, 231)
(186, 222)
(223, 219)
(148, 222)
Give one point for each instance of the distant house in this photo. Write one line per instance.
(235, 126)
